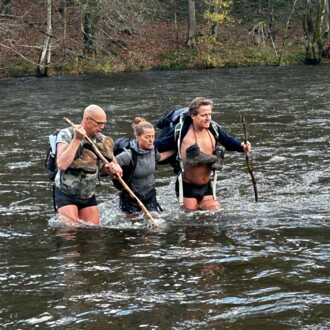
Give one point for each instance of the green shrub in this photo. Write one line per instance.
(18, 69)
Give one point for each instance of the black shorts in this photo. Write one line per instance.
(63, 199)
(193, 191)
(130, 205)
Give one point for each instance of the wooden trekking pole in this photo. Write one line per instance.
(248, 163)
(123, 183)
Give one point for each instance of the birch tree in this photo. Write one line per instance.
(326, 15)
(45, 55)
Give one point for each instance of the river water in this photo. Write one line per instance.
(251, 265)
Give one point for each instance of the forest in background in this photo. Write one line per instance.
(48, 37)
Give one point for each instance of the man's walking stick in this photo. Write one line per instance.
(248, 163)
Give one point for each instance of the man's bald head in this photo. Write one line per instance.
(93, 110)
(94, 119)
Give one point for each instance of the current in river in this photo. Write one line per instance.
(251, 265)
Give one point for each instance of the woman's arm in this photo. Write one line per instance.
(166, 154)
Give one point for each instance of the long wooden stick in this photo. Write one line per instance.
(248, 163)
(123, 183)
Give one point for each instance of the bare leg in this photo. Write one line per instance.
(190, 204)
(87, 214)
(90, 214)
(69, 211)
(209, 203)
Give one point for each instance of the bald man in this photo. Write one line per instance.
(79, 168)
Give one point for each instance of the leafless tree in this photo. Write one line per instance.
(191, 41)
(271, 21)
(316, 29)
(326, 16)
(45, 54)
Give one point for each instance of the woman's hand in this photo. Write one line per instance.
(113, 169)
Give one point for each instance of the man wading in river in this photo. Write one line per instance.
(79, 167)
(199, 154)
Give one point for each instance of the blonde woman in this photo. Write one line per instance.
(142, 179)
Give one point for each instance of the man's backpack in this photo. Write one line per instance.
(50, 160)
(169, 118)
(170, 124)
(120, 145)
(174, 125)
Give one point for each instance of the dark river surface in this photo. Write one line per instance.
(251, 265)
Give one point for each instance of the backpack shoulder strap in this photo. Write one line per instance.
(214, 129)
(132, 167)
(134, 157)
(178, 136)
(181, 129)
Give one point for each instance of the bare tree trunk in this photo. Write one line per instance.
(45, 55)
(90, 22)
(326, 51)
(191, 42)
(176, 30)
(271, 23)
(92, 12)
(176, 27)
(215, 24)
(65, 18)
(320, 28)
(314, 38)
(308, 30)
(287, 29)
(259, 10)
(326, 16)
